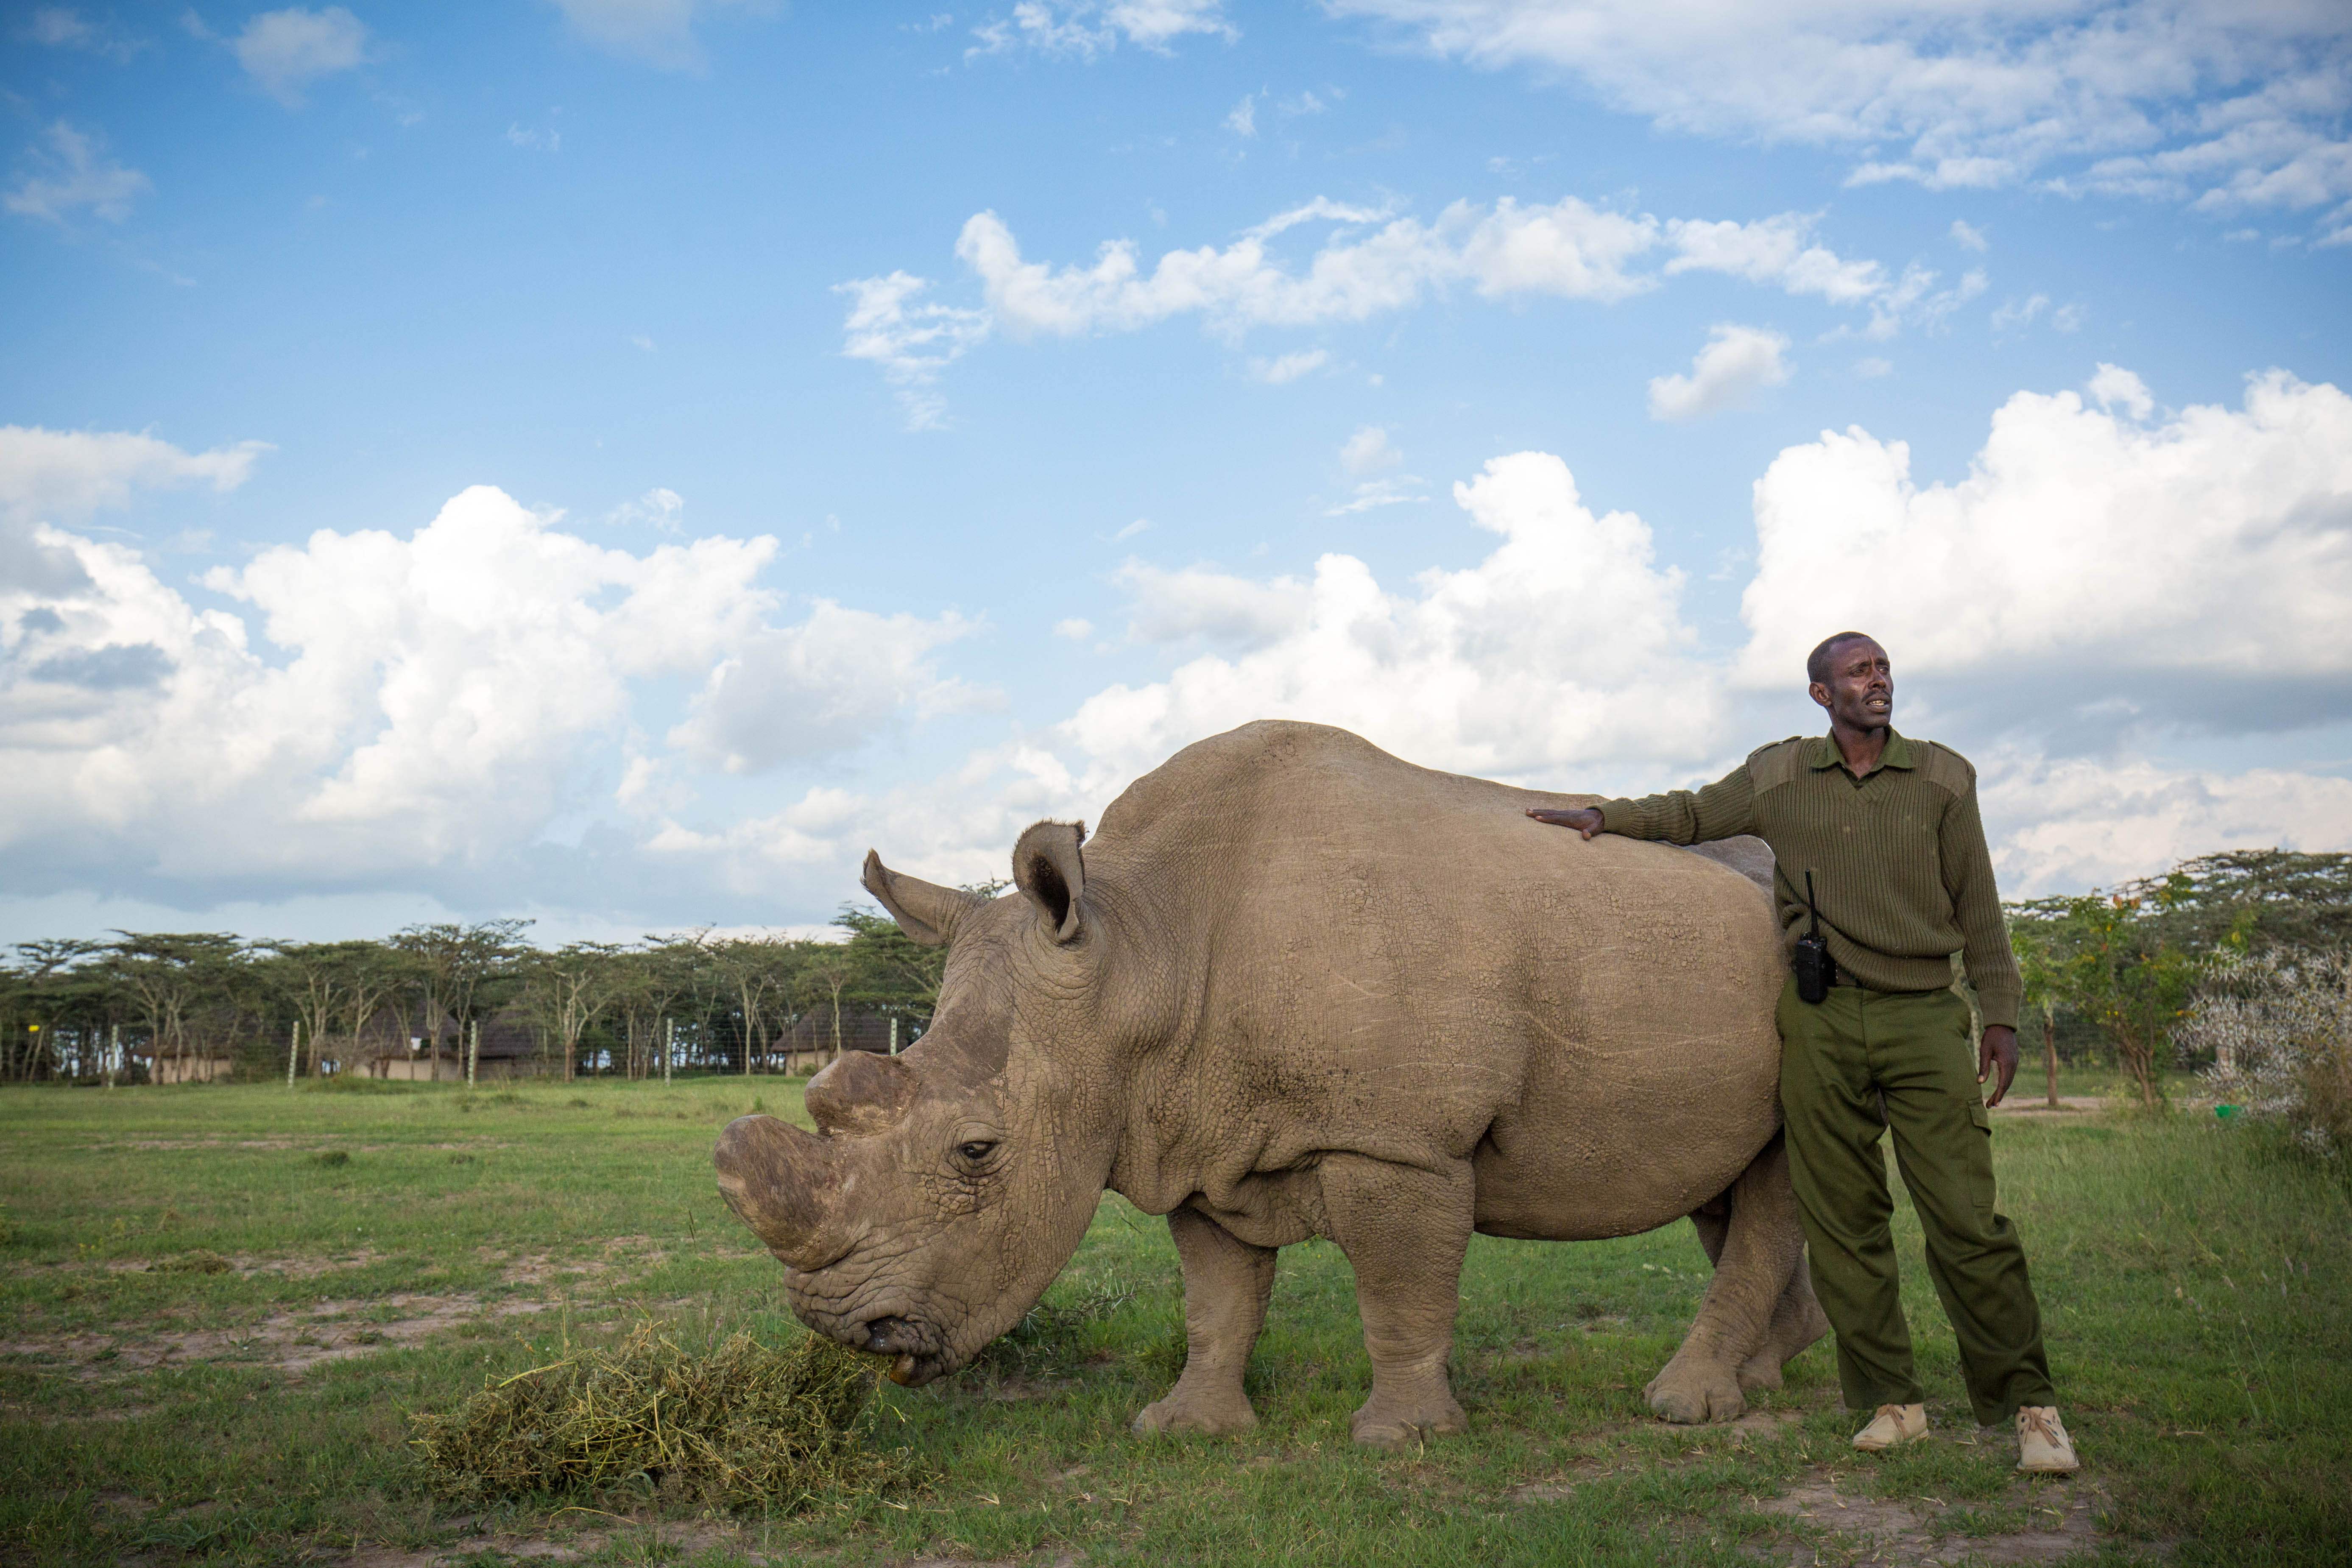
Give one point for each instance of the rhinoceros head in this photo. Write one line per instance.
(944, 1188)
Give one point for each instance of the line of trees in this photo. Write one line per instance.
(175, 1007)
(2135, 974)
(2145, 976)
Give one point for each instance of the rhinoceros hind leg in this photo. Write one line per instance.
(1796, 1322)
(1758, 1309)
(1227, 1283)
(1405, 1231)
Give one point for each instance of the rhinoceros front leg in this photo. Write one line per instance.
(1227, 1282)
(1405, 1231)
(1758, 1309)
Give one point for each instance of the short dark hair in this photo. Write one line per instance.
(1817, 663)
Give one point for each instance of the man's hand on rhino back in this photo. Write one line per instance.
(1586, 820)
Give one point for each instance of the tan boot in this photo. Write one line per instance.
(1893, 1424)
(2043, 1446)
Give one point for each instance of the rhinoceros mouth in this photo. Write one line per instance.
(917, 1355)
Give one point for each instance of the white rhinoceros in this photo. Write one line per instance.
(1296, 987)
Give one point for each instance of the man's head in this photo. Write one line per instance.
(1850, 676)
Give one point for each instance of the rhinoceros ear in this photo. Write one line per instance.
(926, 912)
(1047, 867)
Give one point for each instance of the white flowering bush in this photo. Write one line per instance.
(2279, 1029)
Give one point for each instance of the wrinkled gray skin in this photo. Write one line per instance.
(1296, 987)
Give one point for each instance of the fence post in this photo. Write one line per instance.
(113, 1051)
(474, 1053)
(893, 1034)
(294, 1053)
(670, 1047)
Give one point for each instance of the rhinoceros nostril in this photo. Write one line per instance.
(884, 1335)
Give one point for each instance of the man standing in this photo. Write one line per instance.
(1886, 828)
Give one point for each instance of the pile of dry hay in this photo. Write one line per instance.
(739, 1424)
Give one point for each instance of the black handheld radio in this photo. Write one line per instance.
(1815, 972)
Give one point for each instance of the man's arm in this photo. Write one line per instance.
(1984, 936)
(1724, 809)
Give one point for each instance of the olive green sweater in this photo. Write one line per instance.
(1900, 870)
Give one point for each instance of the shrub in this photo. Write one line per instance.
(2280, 1031)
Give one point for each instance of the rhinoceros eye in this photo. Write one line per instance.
(975, 1152)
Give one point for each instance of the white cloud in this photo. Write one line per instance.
(531, 140)
(1968, 236)
(1086, 29)
(1077, 628)
(662, 507)
(1283, 368)
(413, 710)
(286, 51)
(790, 694)
(65, 27)
(60, 28)
(1368, 452)
(1141, 525)
(911, 342)
(1366, 456)
(68, 176)
(62, 476)
(1874, 367)
(1242, 120)
(1564, 647)
(2228, 105)
(2117, 572)
(2076, 823)
(1371, 262)
(1373, 493)
(658, 31)
(2112, 384)
(1568, 249)
(1736, 363)
(2015, 314)
(1776, 251)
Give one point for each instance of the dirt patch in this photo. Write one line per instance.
(289, 1343)
(2039, 1105)
(246, 1265)
(646, 1543)
(1928, 1531)
(538, 1267)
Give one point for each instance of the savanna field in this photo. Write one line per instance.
(225, 1303)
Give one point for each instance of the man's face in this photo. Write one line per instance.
(1860, 691)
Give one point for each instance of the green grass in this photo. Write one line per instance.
(2197, 1289)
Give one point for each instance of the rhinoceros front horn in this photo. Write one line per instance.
(784, 1184)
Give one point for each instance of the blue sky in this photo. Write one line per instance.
(615, 460)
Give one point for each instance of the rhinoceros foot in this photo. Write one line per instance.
(1692, 1391)
(1385, 1422)
(1191, 1411)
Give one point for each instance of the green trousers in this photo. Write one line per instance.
(1836, 1060)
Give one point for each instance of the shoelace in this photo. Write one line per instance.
(2043, 1426)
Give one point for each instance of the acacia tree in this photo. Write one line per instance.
(826, 969)
(462, 972)
(570, 989)
(167, 976)
(2035, 941)
(2107, 958)
(660, 974)
(53, 981)
(757, 973)
(337, 988)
